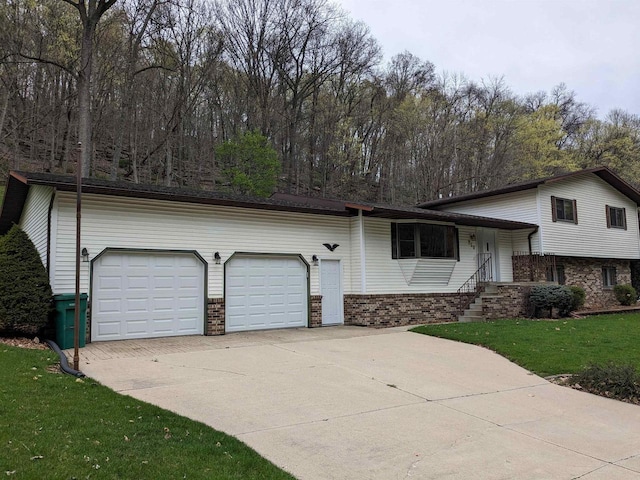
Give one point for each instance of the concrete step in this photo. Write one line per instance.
(490, 289)
(470, 318)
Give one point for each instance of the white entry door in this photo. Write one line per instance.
(146, 294)
(487, 247)
(331, 291)
(263, 291)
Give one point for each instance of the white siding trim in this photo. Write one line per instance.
(363, 255)
(540, 229)
(53, 242)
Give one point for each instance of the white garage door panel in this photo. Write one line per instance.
(143, 295)
(265, 292)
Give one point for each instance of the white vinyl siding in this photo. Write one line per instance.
(590, 237)
(385, 275)
(505, 252)
(151, 224)
(354, 230)
(35, 216)
(516, 206)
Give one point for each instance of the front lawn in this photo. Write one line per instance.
(53, 426)
(549, 347)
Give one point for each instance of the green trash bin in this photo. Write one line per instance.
(65, 319)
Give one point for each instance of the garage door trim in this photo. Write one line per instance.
(147, 250)
(268, 254)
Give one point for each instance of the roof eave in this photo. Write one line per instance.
(15, 197)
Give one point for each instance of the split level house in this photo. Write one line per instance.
(161, 261)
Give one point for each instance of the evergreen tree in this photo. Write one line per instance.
(25, 293)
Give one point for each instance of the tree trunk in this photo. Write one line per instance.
(84, 97)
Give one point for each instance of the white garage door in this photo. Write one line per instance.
(145, 295)
(265, 292)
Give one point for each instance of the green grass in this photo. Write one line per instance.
(1, 195)
(550, 347)
(52, 426)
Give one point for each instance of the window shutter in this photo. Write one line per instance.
(394, 241)
(624, 217)
(575, 212)
(554, 214)
(608, 211)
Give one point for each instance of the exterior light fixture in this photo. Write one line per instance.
(85, 255)
(314, 259)
(216, 257)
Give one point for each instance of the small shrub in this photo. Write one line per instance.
(625, 294)
(25, 293)
(611, 380)
(578, 297)
(544, 298)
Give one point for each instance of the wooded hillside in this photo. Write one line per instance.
(155, 87)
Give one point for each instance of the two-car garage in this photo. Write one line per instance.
(145, 294)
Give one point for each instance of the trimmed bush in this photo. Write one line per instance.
(544, 298)
(579, 296)
(625, 294)
(25, 293)
(610, 380)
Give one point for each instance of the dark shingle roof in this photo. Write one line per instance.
(603, 172)
(19, 182)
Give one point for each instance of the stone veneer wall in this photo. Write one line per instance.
(394, 310)
(587, 273)
(509, 302)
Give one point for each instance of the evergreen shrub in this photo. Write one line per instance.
(625, 294)
(544, 298)
(25, 293)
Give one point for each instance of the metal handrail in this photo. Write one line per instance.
(482, 275)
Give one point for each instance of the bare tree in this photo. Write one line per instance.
(90, 11)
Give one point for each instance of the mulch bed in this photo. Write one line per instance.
(22, 342)
(565, 381)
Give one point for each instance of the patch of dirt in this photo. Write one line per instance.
(22, 342)
(565, 381)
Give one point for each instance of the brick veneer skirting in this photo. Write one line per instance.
(394, 310)
(215, 316)
(316, 311)
(510, 301)
(587, 273)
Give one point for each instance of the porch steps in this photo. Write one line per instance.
(474, 312)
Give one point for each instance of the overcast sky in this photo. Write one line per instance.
(593, 46)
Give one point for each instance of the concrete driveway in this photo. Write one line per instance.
(354, 403)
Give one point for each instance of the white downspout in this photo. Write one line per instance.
(540, 236)
(363, 256)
